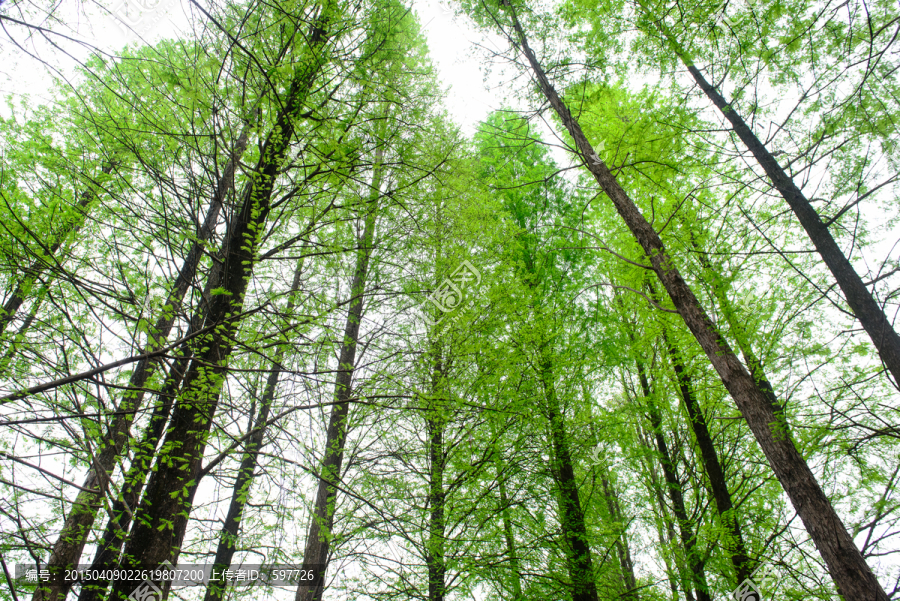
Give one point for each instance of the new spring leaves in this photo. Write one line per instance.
(763, 580)
(448, 296)
(723, 22)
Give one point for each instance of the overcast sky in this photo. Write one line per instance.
(452, 42)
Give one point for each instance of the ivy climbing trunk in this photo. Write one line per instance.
(70, 543)
(161, 519)
(847, 567)
(241, 490)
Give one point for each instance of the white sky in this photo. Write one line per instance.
(451, 42)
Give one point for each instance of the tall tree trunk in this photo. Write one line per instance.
(571, 516)
(241, 491)
(33, 271)
(667, 537)
(508, 536)
(26, 324)
(862, 303)
(114, 534)
(629, 582)
(740, 333)
(713, 468)
(673, 485)
(161, 519)
(70, 543)
(318, 537)
(434, 557)
(848, 568)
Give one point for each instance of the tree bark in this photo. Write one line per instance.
(713, 468)
(509, 538)
(673, 485)
(318, 538)
(434, 557)
(848, 568)
(667, 537)
(861, 301)
(114, 534)
(70, 543)
(161, 519)
(571, 516)
(629, 582)
(740, 333)
(241, 491)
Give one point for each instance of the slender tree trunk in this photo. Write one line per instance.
(26, 324)
(848, 568)
(161, 519)
(741, 336)
(241, 491)
(510, 540)
(318, 538)
(673, 485)
(629, 564)
(32, 272)
(862, 303)
(110, 546)
(712, 467)
(70, 543)
(629, 582)
(667, 538)
(574, 529)
(434, 557)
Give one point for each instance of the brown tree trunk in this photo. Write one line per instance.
(161, 519)
(667, 538)
(848, 568)
(629, 582)
(434, 557)
(712, 467)
(673, 485)
(861, 301)
(571, 516)
(740, 335)
(318, 537)
(241, 491)
(70, 543)
(508, 536)
(110, 546)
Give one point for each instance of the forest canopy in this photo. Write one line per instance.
(276, 324)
